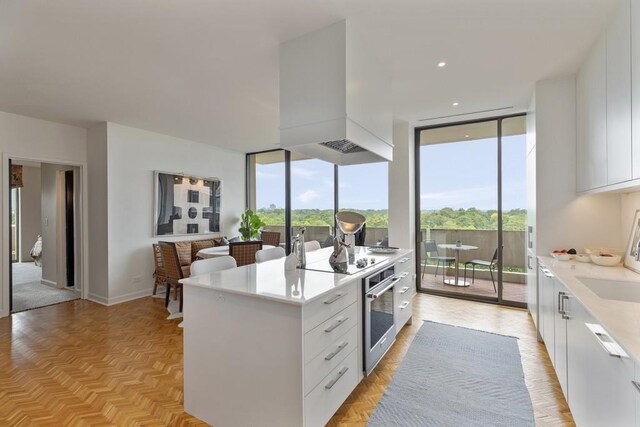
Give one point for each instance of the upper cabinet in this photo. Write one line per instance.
(604, 86)
(619, 95)
(591, 116)
(635, 85)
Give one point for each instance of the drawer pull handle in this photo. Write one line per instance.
(403, 275)
(336, 351)
(334, 299)
(335, 325)
(636, 384)
(333, 382)
(608, 344)
(565, 297)
(404, 305)
(403, 290)
(403, 260)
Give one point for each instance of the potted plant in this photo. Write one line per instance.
(250, 225)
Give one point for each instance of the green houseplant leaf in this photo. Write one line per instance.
(250, 225)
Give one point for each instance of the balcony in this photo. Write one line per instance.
(514, 255)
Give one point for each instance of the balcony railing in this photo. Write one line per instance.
(514, 252)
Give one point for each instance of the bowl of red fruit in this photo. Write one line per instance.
(563, 254)
(606, 259)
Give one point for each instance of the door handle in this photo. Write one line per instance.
(336, 351)
(334, 299)
(333, 382)
(565, 298)
(335, 325)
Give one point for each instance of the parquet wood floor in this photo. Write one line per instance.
(82, 364)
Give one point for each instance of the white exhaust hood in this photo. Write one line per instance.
(335, 99)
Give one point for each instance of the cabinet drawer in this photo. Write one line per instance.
(405, 287)
(333, 390)
(327, 360)
(403, 311)
(405, 264)
(325, 334)
(328, 305)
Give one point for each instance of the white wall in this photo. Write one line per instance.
(628, 205)
(563, 218)
(98, 245)
(30, 203)
(133, 156)
(27, 138)
(402, 188)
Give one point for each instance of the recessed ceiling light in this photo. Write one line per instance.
(441, 64)
(455, 104)
(466, 136)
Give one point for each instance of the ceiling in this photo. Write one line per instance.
(207, 70)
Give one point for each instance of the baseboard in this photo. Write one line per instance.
(49, 283)
(98, 299)
(130, 297)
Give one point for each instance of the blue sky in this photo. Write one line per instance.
(455, 175)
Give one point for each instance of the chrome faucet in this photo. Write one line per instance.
(298, 248)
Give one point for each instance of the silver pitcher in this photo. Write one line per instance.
(298, 248)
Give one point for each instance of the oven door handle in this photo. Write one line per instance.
(377, 294)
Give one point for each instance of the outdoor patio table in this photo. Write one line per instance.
(456, 281)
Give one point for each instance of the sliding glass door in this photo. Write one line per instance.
(471, 209)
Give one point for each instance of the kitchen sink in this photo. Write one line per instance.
(618, 290)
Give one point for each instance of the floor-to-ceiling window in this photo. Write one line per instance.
(312, 198)
(266, 179)
(364, 189)
(472, 209)
(289, 191)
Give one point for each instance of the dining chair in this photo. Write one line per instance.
(268, 254)
(311, 245)
(173, 270)
(245, 252)
(491, 264)
(159, 274)
(270, 238)
(432, 254)
(210, 265)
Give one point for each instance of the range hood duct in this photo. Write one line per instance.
(335, 98)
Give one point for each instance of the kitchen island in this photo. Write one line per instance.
(269, 347)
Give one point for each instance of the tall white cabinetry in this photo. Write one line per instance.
(608, 152)
(591, 116)
(619, 95)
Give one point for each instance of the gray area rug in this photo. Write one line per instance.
(27, 296)
(29, 293)
(455, 376)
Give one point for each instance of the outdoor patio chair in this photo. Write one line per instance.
(491, 264)
(432, 254)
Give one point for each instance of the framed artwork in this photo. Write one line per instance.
(179, 200)
(631, 256)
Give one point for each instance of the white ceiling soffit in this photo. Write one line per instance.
(208, 70)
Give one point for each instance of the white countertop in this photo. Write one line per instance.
(620, 318)
(269, 280)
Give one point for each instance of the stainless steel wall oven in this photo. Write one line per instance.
(379, 326)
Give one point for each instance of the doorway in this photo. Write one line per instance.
(44, 234)
(471, 210)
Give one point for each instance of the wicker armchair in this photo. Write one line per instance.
(245, 252)
(159, 275)
(172, 268)
(270, 238)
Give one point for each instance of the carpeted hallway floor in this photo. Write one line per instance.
(29, 292)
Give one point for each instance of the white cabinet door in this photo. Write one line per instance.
(635, 85)
(560, 335)
(591, 95)
(618, 95)
(600, 389)
(579, 343)
(547, 311)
